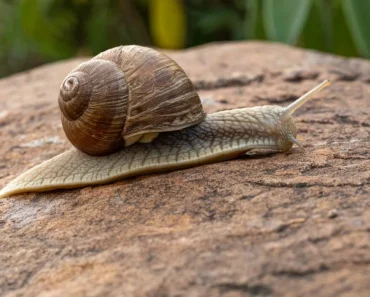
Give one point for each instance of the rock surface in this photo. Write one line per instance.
(293, 224)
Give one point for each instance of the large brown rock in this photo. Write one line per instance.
(292, 224)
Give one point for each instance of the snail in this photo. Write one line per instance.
(132, 110)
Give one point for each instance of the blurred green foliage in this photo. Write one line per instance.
(33, 32)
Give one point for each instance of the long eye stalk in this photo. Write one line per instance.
(289, 110)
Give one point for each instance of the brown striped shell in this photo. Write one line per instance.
(123, 95)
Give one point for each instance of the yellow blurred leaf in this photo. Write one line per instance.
(168, 23)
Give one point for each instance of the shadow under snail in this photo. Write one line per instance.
(132, 110)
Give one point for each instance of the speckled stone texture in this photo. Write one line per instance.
(292, 224)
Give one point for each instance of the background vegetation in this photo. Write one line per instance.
(33, 32)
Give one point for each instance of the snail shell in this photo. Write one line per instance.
(124, 95)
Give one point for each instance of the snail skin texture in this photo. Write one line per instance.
(219, 136)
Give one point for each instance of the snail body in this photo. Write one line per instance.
(194, 138)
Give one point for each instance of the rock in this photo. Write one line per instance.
(259, 225)
(333, 213)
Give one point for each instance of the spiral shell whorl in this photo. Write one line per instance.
(74, 95)
(93, 100)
